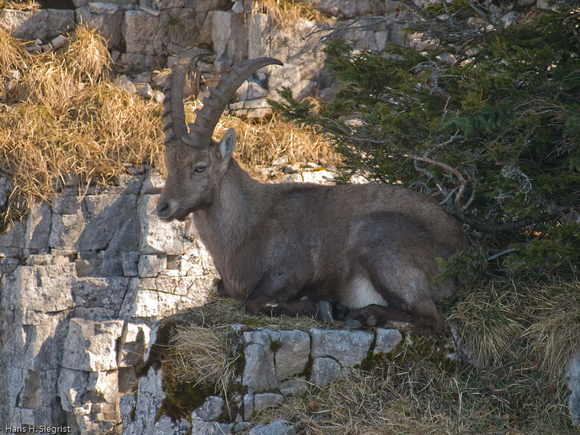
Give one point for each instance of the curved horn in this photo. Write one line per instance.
(173, 110)
(213, 105)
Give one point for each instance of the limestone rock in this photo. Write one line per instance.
(318, 177)
(76, 313)
(277, 427)
(183, 26)
(260, 35)
(135, 340)
(210, 410)
(153, 183)
(386, 340)
(209, 428)
(130, 263)
(325, 370)
(348, 348)
(104, 16)
(141, 32)
(265, 400)
(137, 409)
(99, 298)
(573, 381)
(107, 213)
(38, 226)
(166, 425)
(248, 402)
(40, 289)
(169, 4)
(11, 243)
(229, 36)
(151, 265)
(293, 386)
(123, 83)
(292, 354)
(259, 372)
(66, 230)
(91, 346)
(77, 388)
(6, 185)
(43, 23)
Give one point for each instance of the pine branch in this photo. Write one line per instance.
(487, 227)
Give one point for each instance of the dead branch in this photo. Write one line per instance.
(462, 181)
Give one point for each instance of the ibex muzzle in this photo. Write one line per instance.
(293, 248)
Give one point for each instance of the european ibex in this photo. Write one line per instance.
(293, 248)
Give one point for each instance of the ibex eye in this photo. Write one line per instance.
(200, 168)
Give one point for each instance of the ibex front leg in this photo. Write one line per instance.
(277, 294)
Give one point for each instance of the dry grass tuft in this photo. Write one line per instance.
(221, 312)
(487, 323)
(554, 333)
(205, 356)
(508, 322)
(289, 13)
(87, 55)
(275, 142)
(13, 55)
(23, 5)
(63, 120)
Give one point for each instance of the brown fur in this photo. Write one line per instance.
(275, 244)
(287, 248)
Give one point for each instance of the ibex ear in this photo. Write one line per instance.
(227, 145)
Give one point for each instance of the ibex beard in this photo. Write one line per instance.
(303, 248)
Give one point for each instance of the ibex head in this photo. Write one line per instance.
(195, 162)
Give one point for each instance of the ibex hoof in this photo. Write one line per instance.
(325, 312)
(352, 324)
(372, 320)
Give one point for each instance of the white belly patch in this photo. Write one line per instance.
(362, 293)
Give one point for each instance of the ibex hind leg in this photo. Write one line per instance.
(408, 292)
(376, 315)
(386, 317)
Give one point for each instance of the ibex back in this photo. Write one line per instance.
(293, 248)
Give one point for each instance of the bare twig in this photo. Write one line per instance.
(499, 254)
(338, 31)
(462, 181)
(444, 200)
(442, 165)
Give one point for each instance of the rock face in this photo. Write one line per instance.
(277, 364)
(144, 33)
(573, 381)
(83, 280)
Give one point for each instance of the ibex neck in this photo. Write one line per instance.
(224, 225)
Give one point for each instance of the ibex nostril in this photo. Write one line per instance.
(163, 209)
